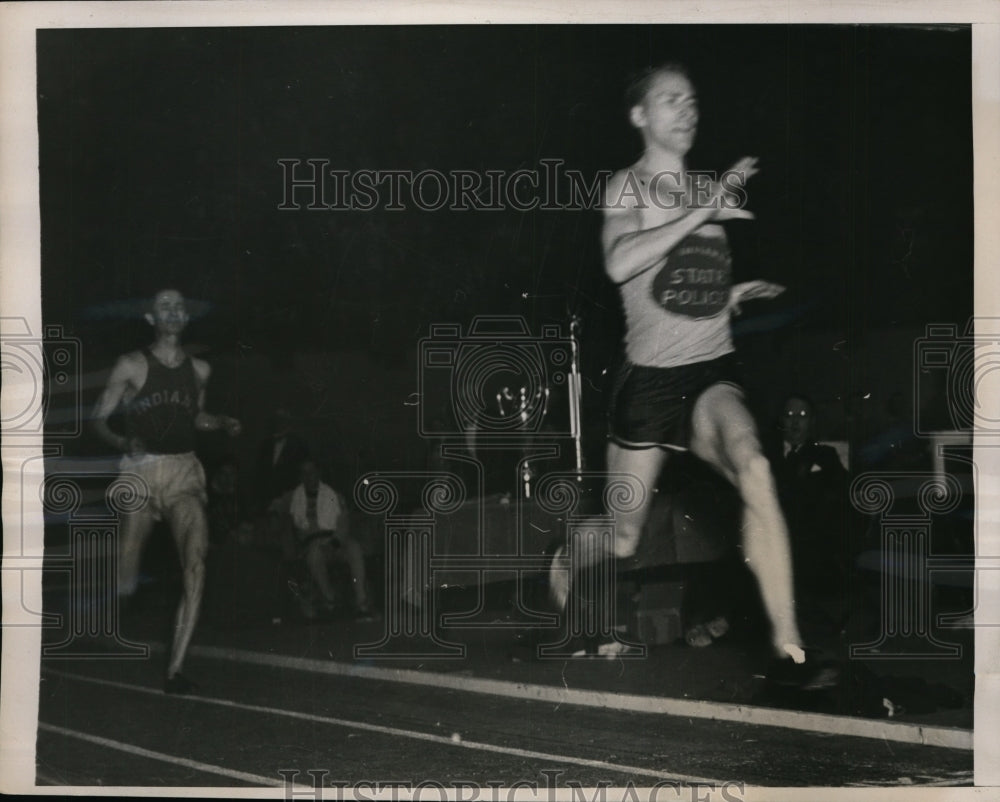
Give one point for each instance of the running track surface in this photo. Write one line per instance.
(108, 723)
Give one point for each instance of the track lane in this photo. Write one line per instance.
(266, 719)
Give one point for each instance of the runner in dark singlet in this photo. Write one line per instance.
(664, 248)
(162, 413)
(163, 392)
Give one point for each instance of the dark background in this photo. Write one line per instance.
(159, 155)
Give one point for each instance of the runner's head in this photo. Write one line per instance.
(167, 312)
(663, 106)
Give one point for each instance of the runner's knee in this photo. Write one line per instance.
(627, 539)
(753, 474)
(195, 553)
(194, 550)
(194, 575)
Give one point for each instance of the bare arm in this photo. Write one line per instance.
(630, 250)
(123, 375)
(749, 290)
(206, 421)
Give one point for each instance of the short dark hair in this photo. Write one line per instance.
(800, 397)
(637, 84)
(150, 302)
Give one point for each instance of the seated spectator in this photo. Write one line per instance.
(812, 488)
(319, 516)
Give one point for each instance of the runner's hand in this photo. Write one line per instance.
(134, 447)
(738, 174)
(727, 198)
(750, 290)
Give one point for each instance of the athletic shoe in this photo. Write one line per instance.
(607, 648)
(179, 684)
(559, 579)
(698, 637)
(813, 674)
(717, 627)
(612, 649)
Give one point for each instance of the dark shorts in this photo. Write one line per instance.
(652, 406)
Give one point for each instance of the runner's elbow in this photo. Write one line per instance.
(617, 268)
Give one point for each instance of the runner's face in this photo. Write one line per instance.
(169, 315)
(668, 116)
(797, 421)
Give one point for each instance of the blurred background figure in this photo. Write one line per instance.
(812, 487)
(279, 464)
(320, 517)
(279, 458)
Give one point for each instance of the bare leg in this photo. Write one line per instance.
(724, 435)
(133, 534)
(643, 467)
(190, 530)
(352, 553)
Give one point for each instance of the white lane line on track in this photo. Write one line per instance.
(383, 730)
(208, 768)
(957, 778)
(822, 723)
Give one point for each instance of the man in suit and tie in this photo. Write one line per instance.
(812, 487)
